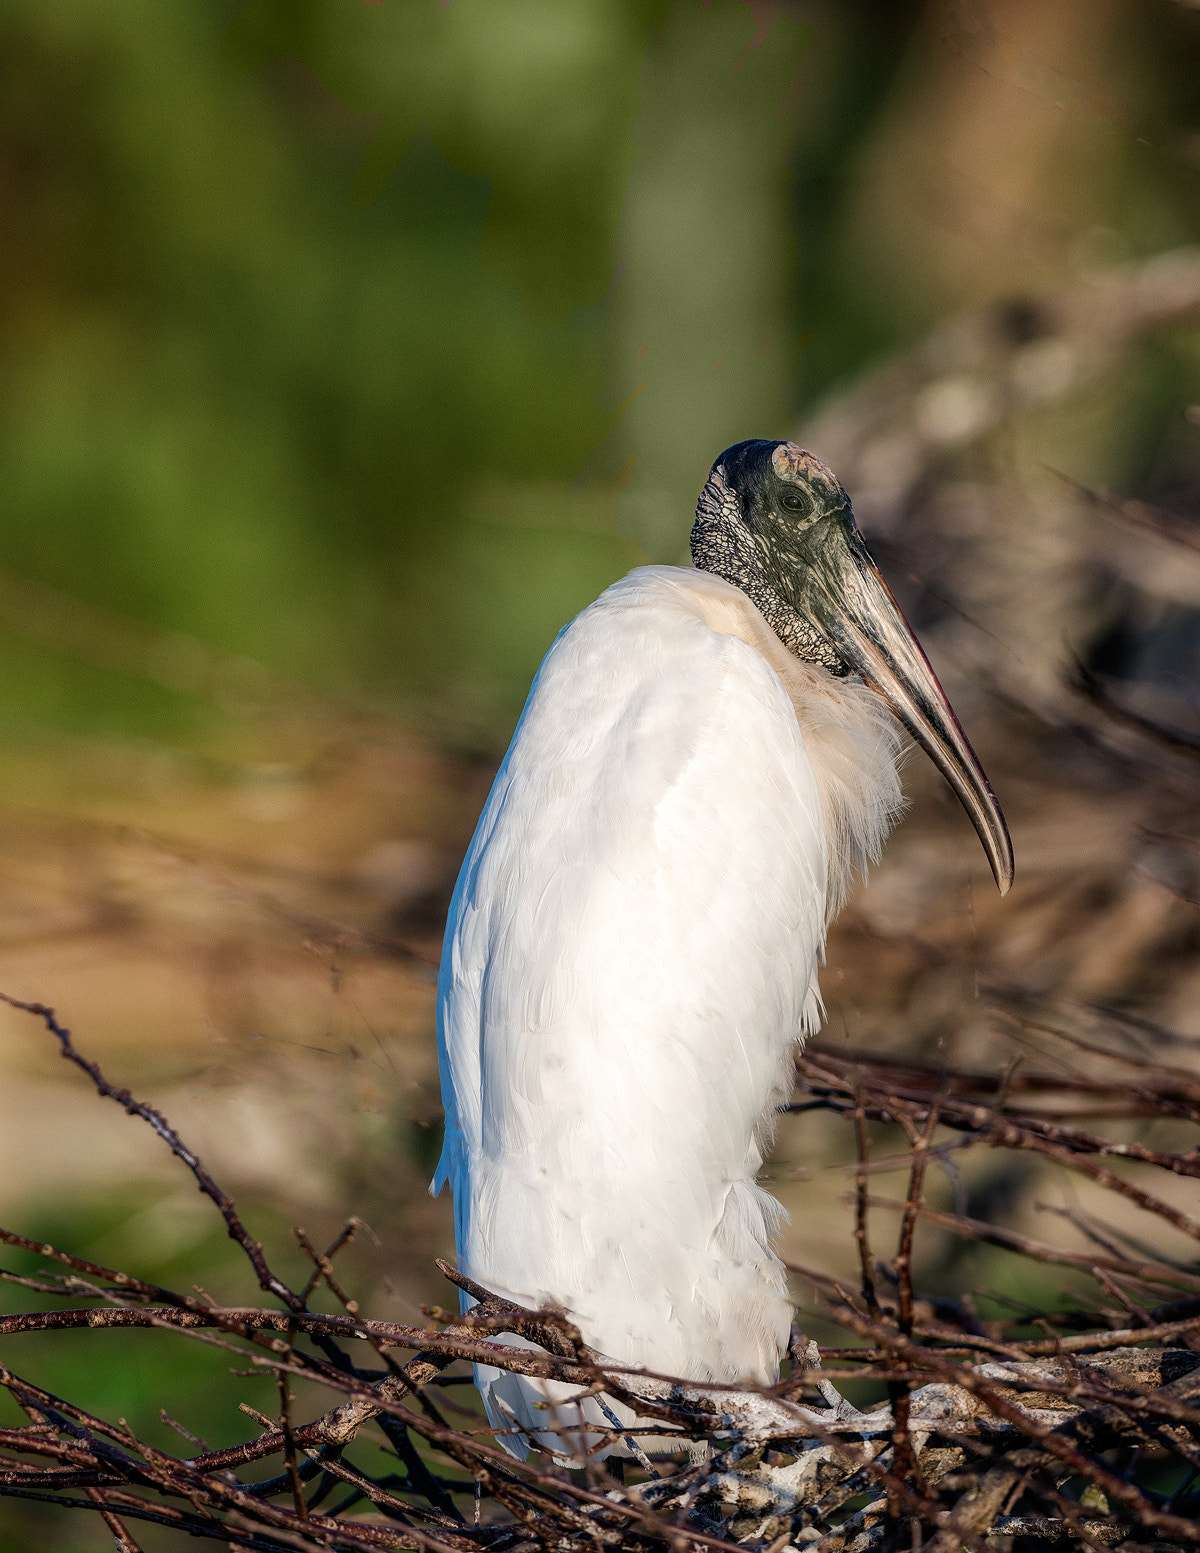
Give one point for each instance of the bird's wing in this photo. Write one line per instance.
(629, 958)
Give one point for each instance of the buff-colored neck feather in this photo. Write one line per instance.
(852, 739)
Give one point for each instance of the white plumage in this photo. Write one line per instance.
(632, 948)
(631, 956)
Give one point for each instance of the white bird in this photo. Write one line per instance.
(706, 757)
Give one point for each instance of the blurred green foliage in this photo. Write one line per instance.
(236, 406)
(309, 311)
(321, 318)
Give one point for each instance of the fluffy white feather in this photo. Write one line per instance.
(630, 958)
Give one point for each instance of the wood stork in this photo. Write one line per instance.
(706, 757)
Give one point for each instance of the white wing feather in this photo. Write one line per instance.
(630, 958)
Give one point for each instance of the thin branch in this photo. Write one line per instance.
(224, 1204)
(862, 1145)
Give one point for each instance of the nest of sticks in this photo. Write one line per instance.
(1072, 1421)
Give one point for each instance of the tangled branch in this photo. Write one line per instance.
(1009, 1426)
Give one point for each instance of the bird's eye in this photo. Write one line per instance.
(793, 501)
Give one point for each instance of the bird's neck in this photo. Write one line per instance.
(852, 740)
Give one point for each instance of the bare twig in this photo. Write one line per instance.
(223, 1202)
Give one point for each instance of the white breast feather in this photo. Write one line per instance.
(630, 959)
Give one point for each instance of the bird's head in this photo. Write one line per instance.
(774, 521)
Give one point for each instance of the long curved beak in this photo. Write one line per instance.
(871, 636)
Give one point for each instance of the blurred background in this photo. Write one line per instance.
(349, 347)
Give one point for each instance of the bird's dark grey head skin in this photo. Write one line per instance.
(761, 523)
(773, 520)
